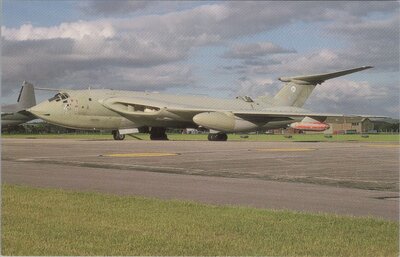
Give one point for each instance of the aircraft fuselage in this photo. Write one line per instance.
(85, 109)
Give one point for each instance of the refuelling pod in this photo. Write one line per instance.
(309, 124)
(223, 122)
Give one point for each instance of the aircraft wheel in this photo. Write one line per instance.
(157, 133)
(158, 137)
(117, 135)
(222, 137)
(144, 130)
(217, 137)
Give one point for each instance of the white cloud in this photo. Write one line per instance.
(255, 86)
(151, 50)
(339, 89)
(156, 78)
(107, 8)
(350, 97)
(74, 30)
(254, 50)
(376, 42)
(298, 64)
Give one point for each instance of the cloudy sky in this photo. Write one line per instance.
(221, 49)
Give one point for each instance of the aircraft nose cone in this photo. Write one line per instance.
(40, 110)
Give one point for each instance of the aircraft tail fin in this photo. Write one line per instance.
(26, 98)
(297, 89)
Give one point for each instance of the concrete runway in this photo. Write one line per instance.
(360, 179)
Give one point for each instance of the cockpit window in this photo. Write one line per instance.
(58, 97)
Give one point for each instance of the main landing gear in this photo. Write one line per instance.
(217, 137)
(158, 133)
(117, 135)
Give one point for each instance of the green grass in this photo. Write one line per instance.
(232, 137)
(56, 222)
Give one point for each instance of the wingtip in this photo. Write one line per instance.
(367, 67)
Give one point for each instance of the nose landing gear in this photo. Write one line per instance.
(117, 135)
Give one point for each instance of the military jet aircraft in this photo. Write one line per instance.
(16, 114)
(116, 110)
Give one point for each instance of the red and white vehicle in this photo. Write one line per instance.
(309, 124)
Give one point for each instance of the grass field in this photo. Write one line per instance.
(56, 222)
(231, 137)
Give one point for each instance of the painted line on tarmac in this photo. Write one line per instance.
(118, 166)
(383, 146)
(285, 149)
(139, 154)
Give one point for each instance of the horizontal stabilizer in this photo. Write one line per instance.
(50, 89)
(320, 78)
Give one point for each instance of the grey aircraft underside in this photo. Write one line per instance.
(16, 114)
(115, 110)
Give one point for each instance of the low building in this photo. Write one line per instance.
(354, 125)
(386, 125)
